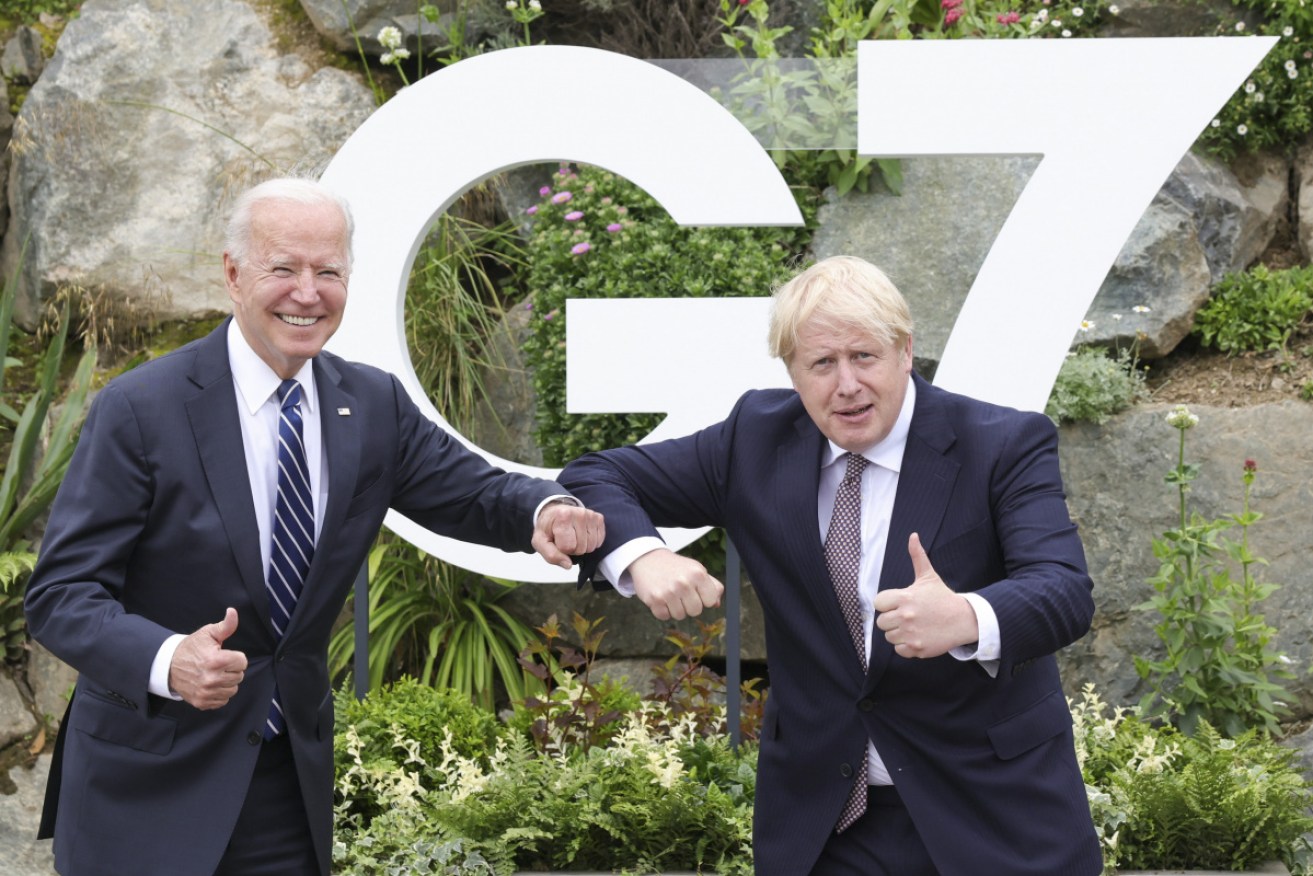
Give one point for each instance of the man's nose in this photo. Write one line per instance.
(848, 383)
(307, 288)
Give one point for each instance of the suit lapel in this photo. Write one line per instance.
(799, 463)
(925, 486)
(213, 415)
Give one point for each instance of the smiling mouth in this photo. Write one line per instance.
(298, 320)
(853, 412)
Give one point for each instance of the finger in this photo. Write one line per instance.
(542, 543)
(221, 631)
(888, 600)
(920, 560)
(564, 534)
(710, 590)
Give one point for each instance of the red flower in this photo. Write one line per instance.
(1009, 17)
(952, 15)
(950, 4)
(1251, 465)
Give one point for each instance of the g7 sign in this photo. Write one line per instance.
(1110, 118)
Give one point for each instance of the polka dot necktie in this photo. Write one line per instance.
(843, 557)
(293, 530)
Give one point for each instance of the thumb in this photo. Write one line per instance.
(224, 628)
(920, 560)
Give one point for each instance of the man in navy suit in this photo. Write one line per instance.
(152, 576)
(917, 570)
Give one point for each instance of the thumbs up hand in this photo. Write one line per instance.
(203, 673)
(926, 618)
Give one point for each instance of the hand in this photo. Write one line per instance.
(928, 618)
(674, 587)
(564, 529)
(202, 672)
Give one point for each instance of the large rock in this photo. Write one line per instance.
(1303, 175)
(932, 240)
(1113, 474)
(125, 159)
(6, 129)
(16, 719)
(343, 23)
(20, 813)
(21, 60)
(51, 681)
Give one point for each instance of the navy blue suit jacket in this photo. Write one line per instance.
(986, 766)
(153, 532)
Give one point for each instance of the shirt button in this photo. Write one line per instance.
(846, 770)
(254, 737)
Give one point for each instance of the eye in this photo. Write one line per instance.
(282, 271)
(330, 274)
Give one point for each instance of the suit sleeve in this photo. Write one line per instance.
(1045, 602)
(453, 491)
(681, 482)
(75, 601)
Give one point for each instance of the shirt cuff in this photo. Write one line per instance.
(552, 500)
(988, 650)
(615, 565)
(159, 668)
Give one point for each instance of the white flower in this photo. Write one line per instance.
(387, 58)
(1285, 661)
(1181, 418)
(512, 5)
(1290, 65)
(1239, 27)
(1066, 33)
(1113, 10)
(1117, 317)
(1250, 87)
(1242, 130)
(1292, 73)
(1258, 98)
(389, 37)
(535, 6)
(1216, 123)
(1042, 15)
(1289, 31)
(1057, 22)
(1086, 325)
(1078, 12)
(1141, 308)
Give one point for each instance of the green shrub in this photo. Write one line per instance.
(1256, 310)
(621, 244)
(1092, 386)
(1163, 800)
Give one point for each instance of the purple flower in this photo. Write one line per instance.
(574, 215)
(614, 227)
(561, 197)
(580, 248)
(550, 316)
(531, 210)
(545, 191)
(528, 305)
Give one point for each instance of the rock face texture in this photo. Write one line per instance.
(124, 157)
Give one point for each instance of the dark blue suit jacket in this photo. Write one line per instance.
(154, 532)
(986, 766)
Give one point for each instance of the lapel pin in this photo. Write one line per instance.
(344, 412)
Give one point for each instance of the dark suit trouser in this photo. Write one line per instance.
(883, 842)
(272, 837)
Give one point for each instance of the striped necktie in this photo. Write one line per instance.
(843, 557)
(293, 529)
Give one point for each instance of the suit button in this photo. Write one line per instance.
(846, 770)
(866, 704)
(254, 737)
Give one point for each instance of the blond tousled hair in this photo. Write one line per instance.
(841, 292)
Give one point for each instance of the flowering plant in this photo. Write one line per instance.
(1220, 665)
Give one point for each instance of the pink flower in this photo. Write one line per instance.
(545, 191)
(561, 197)
(614, 227)
(574, 215)
(1251, 465)
(580, 248)
(950, 4)
(531, 210)
(606, 201)
(744, 2)
(550, 316)
(952, 15)
(1009, 18)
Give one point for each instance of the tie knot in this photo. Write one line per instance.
(289, 394)
(856, 465)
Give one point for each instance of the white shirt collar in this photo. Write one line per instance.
(888, 452)
(256, 381)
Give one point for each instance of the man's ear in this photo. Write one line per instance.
(230, 275)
